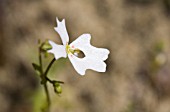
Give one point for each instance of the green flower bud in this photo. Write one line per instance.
(57, 88)
(46, 46)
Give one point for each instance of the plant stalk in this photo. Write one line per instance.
(44, 80)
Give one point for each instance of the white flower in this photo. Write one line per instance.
(94, 57)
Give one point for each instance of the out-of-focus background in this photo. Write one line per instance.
(137, 33)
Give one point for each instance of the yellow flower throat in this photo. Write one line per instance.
(71, 50)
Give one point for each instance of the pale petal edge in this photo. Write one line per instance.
(58, 50)
(62, 31)
(82, 64)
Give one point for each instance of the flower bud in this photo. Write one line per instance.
(57, 88)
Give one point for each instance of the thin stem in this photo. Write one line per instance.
(49, 80)
(44, 84)
(48, 97)
(52, 81)
(49, 66)
(40, 61)
(43, 77)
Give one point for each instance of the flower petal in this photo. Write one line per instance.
(83, 43)
(62, 31)
(82, 64)
(93, 59)
(58, 50)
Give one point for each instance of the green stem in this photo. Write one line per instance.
(45, 84)
(40, 61)
(49, 66)
(48, 97)
(44, 80)
(52, 81)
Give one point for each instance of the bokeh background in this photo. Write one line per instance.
(137, 33)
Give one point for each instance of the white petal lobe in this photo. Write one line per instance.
(94, 57)
(58, 50)
(83, 43)
(82, 64)
(62, 31)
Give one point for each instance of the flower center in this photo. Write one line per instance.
(74, 51)
(69, 50)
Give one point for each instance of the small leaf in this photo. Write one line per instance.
(37, 68)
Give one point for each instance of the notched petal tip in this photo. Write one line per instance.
(58, 21)
(62, 31)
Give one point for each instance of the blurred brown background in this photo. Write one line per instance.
(137, 32)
